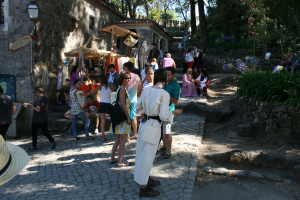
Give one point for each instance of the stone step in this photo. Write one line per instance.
(220, 92)
(184, 101)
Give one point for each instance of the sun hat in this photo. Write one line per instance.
(12, 160)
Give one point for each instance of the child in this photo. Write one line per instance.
(154, 64)
(92, 107)
(179, 46)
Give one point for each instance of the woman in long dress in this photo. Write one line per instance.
(188, 87)
(155, 102)
(124, 128)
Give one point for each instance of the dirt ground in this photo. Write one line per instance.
(221, 187)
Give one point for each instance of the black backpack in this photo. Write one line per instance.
(117, 114)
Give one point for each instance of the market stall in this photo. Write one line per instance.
(116, 31)
(100, 57)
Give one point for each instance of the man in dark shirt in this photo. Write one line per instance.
(7, 110)
(113, 75)
(154, 53)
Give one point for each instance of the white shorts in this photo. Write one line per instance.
(167, 127)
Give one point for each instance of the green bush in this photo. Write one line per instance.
(267, 87)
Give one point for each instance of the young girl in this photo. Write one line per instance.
(190, 59)
(148, 81)
(203, 82)
(154, 64)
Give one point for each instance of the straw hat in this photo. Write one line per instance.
(12, 160)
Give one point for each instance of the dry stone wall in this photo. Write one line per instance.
(277, 122)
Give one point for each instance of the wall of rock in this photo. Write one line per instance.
(277, 122)
(49, 45)
(51, 42)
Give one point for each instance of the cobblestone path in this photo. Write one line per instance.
(81, 170)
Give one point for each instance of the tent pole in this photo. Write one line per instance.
(112, 38)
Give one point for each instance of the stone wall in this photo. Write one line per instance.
(278, 122)
(51, 42)
(49, 45)
(18, 63)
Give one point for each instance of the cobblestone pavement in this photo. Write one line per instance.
(81, 170)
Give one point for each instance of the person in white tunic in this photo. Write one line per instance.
(155, 102)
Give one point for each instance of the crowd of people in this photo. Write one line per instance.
(152, 92)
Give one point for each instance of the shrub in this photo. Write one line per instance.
(281, 87)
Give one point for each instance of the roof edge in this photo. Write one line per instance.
(148, 21)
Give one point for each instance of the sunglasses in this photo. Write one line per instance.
(128, 78)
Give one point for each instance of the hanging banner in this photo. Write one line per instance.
(130, 41)
(20, 43)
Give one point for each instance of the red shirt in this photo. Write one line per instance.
(92, 107)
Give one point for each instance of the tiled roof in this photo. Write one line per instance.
(146, 21)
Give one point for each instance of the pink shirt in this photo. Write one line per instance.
(167, 62)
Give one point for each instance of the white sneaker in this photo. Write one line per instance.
(96, 131)
(200, 95)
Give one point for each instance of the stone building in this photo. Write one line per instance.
(50, 43)
(149, 29)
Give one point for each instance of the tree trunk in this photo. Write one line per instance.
(123, 7)
(203, 26)
(193, 17)
(225, 14)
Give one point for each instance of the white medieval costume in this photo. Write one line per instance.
(143, 55)
(155, 102)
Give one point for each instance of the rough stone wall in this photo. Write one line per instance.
(18, 63)
(49, 45)
(52, 43)
(276, 123)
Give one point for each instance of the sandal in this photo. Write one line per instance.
(122, 165)
(104, 140)
(113, 161)
(77, 138)
(32, 148)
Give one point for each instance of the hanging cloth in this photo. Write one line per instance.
(64, 75)
(45, 78)
(59, 78)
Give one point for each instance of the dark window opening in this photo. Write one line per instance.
(92, 23)
(2, 12)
